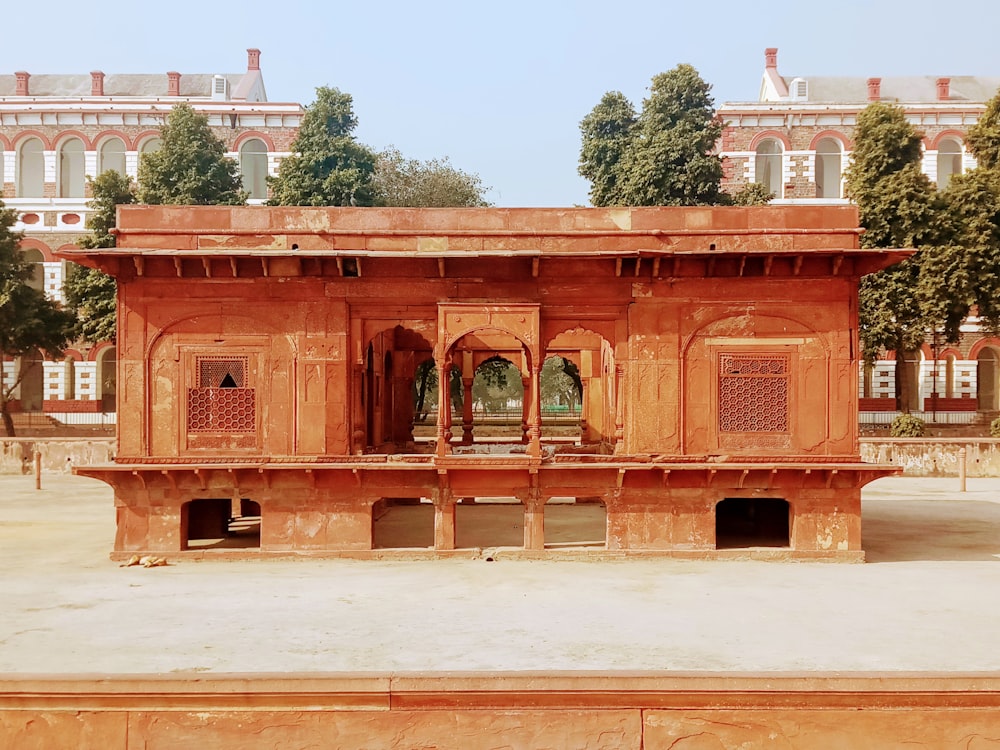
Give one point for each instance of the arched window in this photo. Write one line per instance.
(949, 162)
(112, 156)
(151, 146)
(31, 169)
(71, 169)
(36, 259)
(768, 166)
(828, 168)
(253, 166)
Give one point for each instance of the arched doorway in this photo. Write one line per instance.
(390, 391)
(987, 372)
(107, 378)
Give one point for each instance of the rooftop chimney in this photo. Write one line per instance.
(253, 59)
(771, 58)
(874, 89)
(943, 86)
(21, 88)
(96, 83)
(173, 83)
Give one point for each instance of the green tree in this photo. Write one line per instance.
(399, 181)
(752, 194)
(191, 168)
(328, 167)
(91, 293)
(29, 321)
(663, 157)
(898, 207)
(969, 267)
(607, 132)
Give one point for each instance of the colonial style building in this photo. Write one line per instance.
(797, 139)
(56, 130)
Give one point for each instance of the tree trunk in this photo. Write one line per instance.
(8, 421)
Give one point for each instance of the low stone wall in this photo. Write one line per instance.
(935, 457)
(58, 454)
(584, 711)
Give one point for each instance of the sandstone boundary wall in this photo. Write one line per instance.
(580, 710)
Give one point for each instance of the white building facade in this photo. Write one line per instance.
(55, 131)
(797, 138)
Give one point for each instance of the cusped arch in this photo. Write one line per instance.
(723, 326)
(456, 337)
(225, 321)
(552, 342)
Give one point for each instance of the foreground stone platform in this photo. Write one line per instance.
(896, 653)
(641, 711)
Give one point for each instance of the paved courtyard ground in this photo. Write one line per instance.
(926, 600)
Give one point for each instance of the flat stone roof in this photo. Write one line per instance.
(922, 602)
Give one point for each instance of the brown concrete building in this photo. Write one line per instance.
(268, 358)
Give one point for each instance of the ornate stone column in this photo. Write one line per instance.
(444, 409)
(467, 411)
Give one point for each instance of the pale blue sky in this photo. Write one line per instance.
(501, 88)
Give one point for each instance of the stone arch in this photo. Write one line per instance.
(26, 135)
(387, 396)
(782, 138)
(251, 135)
(67, 135)
(174, 361)
(751, 396)
(111, 152)
(139, 141)
(71, 167)
(30, 167)
(845, 142)
(31, 243)
(987, 359)
(592, 353)
(253, 167)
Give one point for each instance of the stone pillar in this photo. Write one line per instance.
(444, 520)
(525, 408)
(360, 430)
(444, 410)
(534, 521)
(535, 413)
(619, 407)
(467, 411)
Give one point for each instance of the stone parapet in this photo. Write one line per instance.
(935, 457)
(522, 710)
(58, 454)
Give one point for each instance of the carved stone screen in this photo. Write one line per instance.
(753, 393)
(221, 402)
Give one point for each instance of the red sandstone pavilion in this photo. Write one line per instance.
(267, 359)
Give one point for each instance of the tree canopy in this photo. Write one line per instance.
(898, 206)
(191, 168)
(328, 166)
(399, 181)
(661, 157)
(29, 321)
(90, 293)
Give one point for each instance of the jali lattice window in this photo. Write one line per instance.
(222, 402)
(753, 393)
